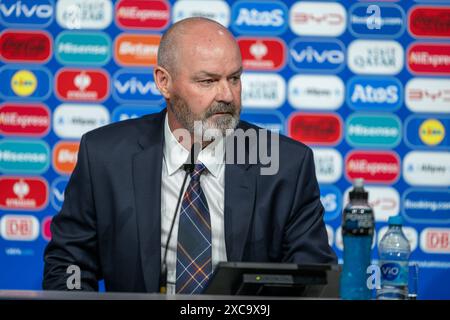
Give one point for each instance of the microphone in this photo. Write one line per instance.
(189, 168)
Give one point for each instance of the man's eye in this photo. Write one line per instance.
(235, 79)
(207, 81)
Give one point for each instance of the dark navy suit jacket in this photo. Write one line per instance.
(110, 222)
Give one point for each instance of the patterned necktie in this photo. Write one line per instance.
(194, 266)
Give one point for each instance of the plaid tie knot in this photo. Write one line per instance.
(198, 170)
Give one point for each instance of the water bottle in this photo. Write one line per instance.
(394, 251)
(357, 233)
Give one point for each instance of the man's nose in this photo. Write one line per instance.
(225, 93)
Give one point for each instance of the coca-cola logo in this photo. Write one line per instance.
(316, 128)
(28, 46)
(429, 21)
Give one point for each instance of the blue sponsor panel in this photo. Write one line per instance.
(57, 192)
(30, 82)
(27, 13)
(133, 86)
(268, 119)
(261, 18)
(316, 55)
(428, 131)
(426, 206)
(130, 112)
(376, 21)
(374, 93)
(331, 198)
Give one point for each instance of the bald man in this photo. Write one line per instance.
(121, 220)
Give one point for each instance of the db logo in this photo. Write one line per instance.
(435, 240)
(373, 167)
(31, 120)
(82, 85)
(65, 156)
(136, 49)
(262, 53)
(429, 21)
(19, 227)
(25, 46)
(23, 193)
(148, 15)
(317, 129)
(429, 58)
(46, 231)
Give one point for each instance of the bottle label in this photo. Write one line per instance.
(394, 273)
(358, 222)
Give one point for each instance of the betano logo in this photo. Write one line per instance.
(426, 206)
(321, 129)
(423, 131)
(84, 14)
(136, 49)
(133, 86)
(263, 90)
(148, 15)
(428, 95)
(25, 46)
(429, 58)
(267, 54)
(24, 156)
(216, 10)
(23, 193)
(372, 166)
(24, 83)
(65, 154)
(31, 120)
(17, 83)
(26, 13)
(429, 21)
(19, 227)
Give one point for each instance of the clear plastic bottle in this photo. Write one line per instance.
(394, 251)
(357, 233)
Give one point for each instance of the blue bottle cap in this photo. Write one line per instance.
(395, 220)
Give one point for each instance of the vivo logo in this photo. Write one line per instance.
(135, 86)
(27, 13)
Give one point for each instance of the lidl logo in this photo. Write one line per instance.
(65, 155)
(263, 90)
(57, 192)
(25, 46)
(328, 164)
(19, 227)
(428, 95)
(148, 15)
(28, 156)
(131, 112)
(331, 199)
(216, 10)
(133, 86)
(429, 21)
(82, 84)
(32, 83)
(317, 55)
(24, 119)
(262, 18)
(26, 13)
(84, 14)
(429, 58)
(83, 48)
(137, 50)
(426, 205)
(262, 53)
(23, 193)
(323, 129)
(373, 166)
(268, 119)
(424, 131)
(374, 93)
(427, 168)
(373, 130)
(383, 21)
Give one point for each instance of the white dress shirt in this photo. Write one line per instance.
(212, 182)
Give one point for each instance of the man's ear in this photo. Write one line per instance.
(163, 81)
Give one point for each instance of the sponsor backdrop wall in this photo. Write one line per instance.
(365, 84)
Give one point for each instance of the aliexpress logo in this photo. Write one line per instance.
(31, 120)
(65, 156)
(136, 49)
(138, 14)
(316, 128)
(25, 46)
(429, 58)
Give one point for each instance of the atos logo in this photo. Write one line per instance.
(251, 17)
(425, 132)
(23, 193)
(136, 50)
(83, 48)
(320, 129)
(57, 192)
(84, 14)
(19, 227)
(27, 156)
(65, 155)
(26, 13)
(423, 168)
(429, 21)
(427, 206)
(331, 199)
(383, 21)
(32, 83)
(130, 112)
(216, 10)
(373, 130)
(317, 55)
(429, 58)
(435, 240)
(136, 86)
(25, 46)
(24, 119)
(373, 167)
(374, 93)
(262, 53)
(46, 231)
(328, 163)
(428, 95)
(82, 85)
(268, 119)
(148, 15)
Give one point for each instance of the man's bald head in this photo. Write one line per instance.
(185, 34)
